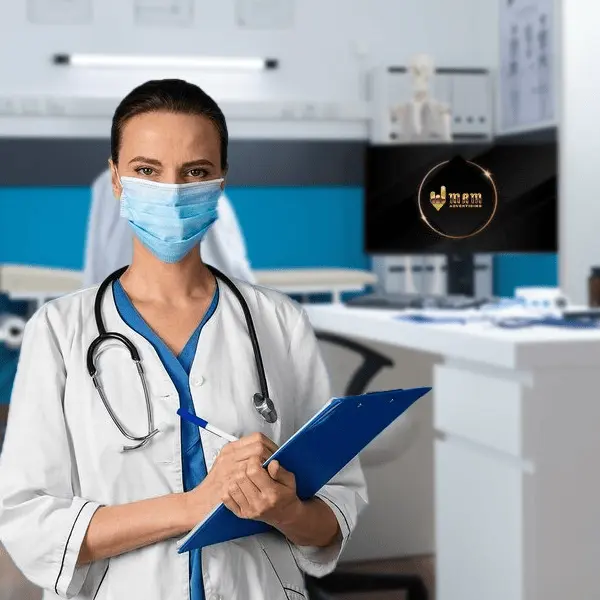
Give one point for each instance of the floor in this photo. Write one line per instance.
(14, 587)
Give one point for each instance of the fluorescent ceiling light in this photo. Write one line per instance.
(179, 62)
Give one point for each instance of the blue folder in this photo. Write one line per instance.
(315, 454)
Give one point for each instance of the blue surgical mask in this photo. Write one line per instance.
(169, 218)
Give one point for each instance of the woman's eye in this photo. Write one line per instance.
(147, 171)
(197, 172)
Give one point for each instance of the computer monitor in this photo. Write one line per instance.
(526, 218)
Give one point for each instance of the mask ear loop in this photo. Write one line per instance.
(116, 172)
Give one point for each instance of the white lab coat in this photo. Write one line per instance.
(109, 243)
(62, 460)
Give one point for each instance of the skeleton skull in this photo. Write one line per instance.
(421, 69)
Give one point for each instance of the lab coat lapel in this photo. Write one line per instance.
(213, 368)
(225, 365)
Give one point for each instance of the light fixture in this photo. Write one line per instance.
(179, 62)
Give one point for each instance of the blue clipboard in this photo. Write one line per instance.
(315, 454)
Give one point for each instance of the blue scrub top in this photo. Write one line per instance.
(178, 368)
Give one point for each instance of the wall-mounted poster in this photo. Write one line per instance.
(527, 63)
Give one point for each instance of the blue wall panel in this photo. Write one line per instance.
(284, 227)
(514, 270)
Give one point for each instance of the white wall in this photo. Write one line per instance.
(317, 55)
(579, 137)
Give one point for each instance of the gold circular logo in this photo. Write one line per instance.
(457, 199)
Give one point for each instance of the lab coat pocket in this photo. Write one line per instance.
(116, 460)
(279, 555)
(128, 397)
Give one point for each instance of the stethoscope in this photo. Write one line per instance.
(261, 401)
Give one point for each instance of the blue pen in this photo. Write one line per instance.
(184, 414)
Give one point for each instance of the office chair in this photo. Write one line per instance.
(341, 582)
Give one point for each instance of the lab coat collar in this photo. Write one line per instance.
(113, 322)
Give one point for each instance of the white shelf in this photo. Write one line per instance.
(527, 129)
(69, 107)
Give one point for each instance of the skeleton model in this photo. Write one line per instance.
(422, 118)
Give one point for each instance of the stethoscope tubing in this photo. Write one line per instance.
(261, 401)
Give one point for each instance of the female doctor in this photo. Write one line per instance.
(99, 477)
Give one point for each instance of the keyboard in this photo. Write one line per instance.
(405, 301)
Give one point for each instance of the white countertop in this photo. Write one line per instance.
(530, 347)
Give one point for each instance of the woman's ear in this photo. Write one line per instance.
(114, 177)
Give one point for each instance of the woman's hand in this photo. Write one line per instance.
(267, 495)
(238, 480)
(229, 465)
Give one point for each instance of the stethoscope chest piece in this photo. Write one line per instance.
(265, 407)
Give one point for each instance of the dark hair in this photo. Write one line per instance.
(171, 95)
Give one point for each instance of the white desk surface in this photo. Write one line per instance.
(530, 347)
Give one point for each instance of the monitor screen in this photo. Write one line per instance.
(526, 218)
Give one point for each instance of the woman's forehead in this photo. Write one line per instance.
(170, 132)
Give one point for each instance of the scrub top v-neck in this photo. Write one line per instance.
(178, 368)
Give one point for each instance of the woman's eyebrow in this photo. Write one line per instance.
(150, 161)
(195, 163)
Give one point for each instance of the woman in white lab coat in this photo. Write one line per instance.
(84, 518)
(109, 240)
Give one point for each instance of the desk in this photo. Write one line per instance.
(516, 418)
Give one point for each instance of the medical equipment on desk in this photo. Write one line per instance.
(541, 297)
(520, 323)
(508, 314)
(261, 401)
(414, 301)
(506, 323)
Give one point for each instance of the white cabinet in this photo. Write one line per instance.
(481, 482)
(516, 492)
(479, 514)
(492, 418)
